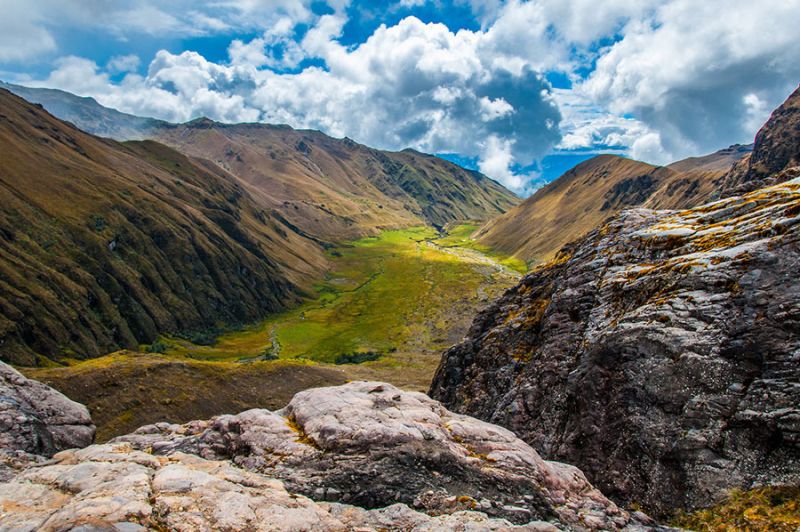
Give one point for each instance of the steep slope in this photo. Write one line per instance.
(86, 113)
(104, 245)
(659, 353)
(694, 181)
(776, 148)
(591, 192)
(330, 189)
(569, 207)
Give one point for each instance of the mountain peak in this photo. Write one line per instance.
(776, 148)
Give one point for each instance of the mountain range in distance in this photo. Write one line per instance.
(109, 244)
(285, 195)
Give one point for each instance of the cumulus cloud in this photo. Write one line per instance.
(701, 74)
(123, 63)
(21, 34)
(654, 79)
(412, 84)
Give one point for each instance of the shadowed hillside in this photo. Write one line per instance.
(105, 245)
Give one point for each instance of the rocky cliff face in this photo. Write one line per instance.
(36, 420)
(776, 148)
(363, 456)
(659, 354)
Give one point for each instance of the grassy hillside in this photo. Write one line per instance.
(105, 245)
(591, 192)
(330, 189)
(336, 190)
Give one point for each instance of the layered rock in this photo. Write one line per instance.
(659, 354)
(363, 456)
(116, 488)
(37, 419)
(372, 445)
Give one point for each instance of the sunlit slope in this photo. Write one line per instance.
(329, 189)
(335, 189)
(591, 192)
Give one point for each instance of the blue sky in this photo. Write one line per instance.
(521, 90)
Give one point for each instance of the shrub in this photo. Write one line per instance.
(157, 347)
(357, 358)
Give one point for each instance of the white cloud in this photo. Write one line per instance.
(123, 63)
(21, 34)
(668, 78)
(412, 84)
(702, 74)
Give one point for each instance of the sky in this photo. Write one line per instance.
(520, 90)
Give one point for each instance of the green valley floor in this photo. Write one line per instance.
(386, 309)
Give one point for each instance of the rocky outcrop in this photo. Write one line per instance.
(359, 456)
(660, 354)
(776, 148)
(36, 419)
(116, 488)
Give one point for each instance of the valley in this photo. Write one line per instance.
(384, 311)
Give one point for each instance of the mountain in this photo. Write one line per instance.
(109, 244)
(328, 189)
(104, 245)
(86, 113)
(596, 189)
(362, 456)
(659, 350)
(337, 189)
(776, 148)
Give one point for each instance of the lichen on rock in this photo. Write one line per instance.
(665, 362)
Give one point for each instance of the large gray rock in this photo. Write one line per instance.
(660, 354)
(372, 445)
(37, 419)
(113, 487)
(363, 456)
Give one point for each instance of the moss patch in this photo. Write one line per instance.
(763, 509)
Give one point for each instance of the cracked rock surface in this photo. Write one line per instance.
(372, 445)
(37, 419)
(660, 354)
(362, 456)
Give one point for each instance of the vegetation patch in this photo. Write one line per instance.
(395, 300)
(357, 358)
(775, 508)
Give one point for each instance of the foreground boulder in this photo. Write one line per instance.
(660, 354)
(363, 456)
(37, 419)
(113, 487)
(372, 445)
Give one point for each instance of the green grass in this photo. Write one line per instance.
(389, 295)
(460, 236)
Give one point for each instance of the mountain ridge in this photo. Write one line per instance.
(363, 189)
(592, 191)
(107, 244)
